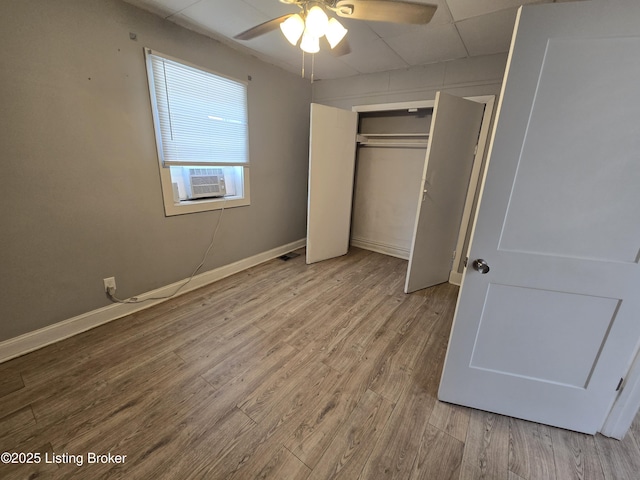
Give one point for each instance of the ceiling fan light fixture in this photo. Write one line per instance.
(309, 43)
(335, 32)
(292, 28)
(317, 21)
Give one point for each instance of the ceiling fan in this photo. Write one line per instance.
(312, 23)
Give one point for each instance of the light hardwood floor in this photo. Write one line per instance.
(284, 371)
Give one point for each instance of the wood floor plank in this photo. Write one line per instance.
(269, 461)
(134, 426)
(400, 442)
(531, 450)
(451, 419)
(330, 320)
(13, 423)
(357, 328)
(281, 385)
(400, 358)
(110, 392)
(348, 451)
(249, 356)
(284, 465)
(322, 284)
(10, 381)
(214, 347)
(440, 456)
(192, 453)
(620, 459)
(79, 410)
(312, 436)
(289, 467)
(486, 455)
(276, 426)
(576, 456)
(246, 383)
(182, 414)
(635, 429)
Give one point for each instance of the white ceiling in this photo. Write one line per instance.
(459, 29)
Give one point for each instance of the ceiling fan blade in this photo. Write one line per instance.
(263, 28)
(386, 11)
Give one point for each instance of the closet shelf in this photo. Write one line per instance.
(392, 135)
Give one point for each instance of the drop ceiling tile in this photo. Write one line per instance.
(226, 17)
(461, 9)
(164, 8)
(389, 30)
(275, 45)
(271, 8)
(488, 34)
(433, 43)
(359, 32)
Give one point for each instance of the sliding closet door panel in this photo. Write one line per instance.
(332, 145)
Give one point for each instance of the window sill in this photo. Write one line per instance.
(204, 205)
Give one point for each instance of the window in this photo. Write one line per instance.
(200, 121)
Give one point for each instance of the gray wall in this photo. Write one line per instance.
(81, 196)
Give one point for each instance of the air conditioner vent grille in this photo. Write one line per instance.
(204, 182)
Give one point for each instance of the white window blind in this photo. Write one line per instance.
(200, 118)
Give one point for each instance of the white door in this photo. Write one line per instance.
(549, 331)
(332, 147)
(453, 136)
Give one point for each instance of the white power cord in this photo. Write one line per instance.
(111, 291)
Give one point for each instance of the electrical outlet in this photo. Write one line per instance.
(109, 283)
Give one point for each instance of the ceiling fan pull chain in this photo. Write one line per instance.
(302, 63)
(313, 64)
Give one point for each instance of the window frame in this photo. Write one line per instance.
(172, 207)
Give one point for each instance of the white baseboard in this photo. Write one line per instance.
(14, 347)
(378, 247)
(455, 278)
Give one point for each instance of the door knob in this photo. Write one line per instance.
(481, 266)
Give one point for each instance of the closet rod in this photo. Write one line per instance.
(396, 135)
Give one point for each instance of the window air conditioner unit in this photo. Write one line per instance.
(203, 182)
